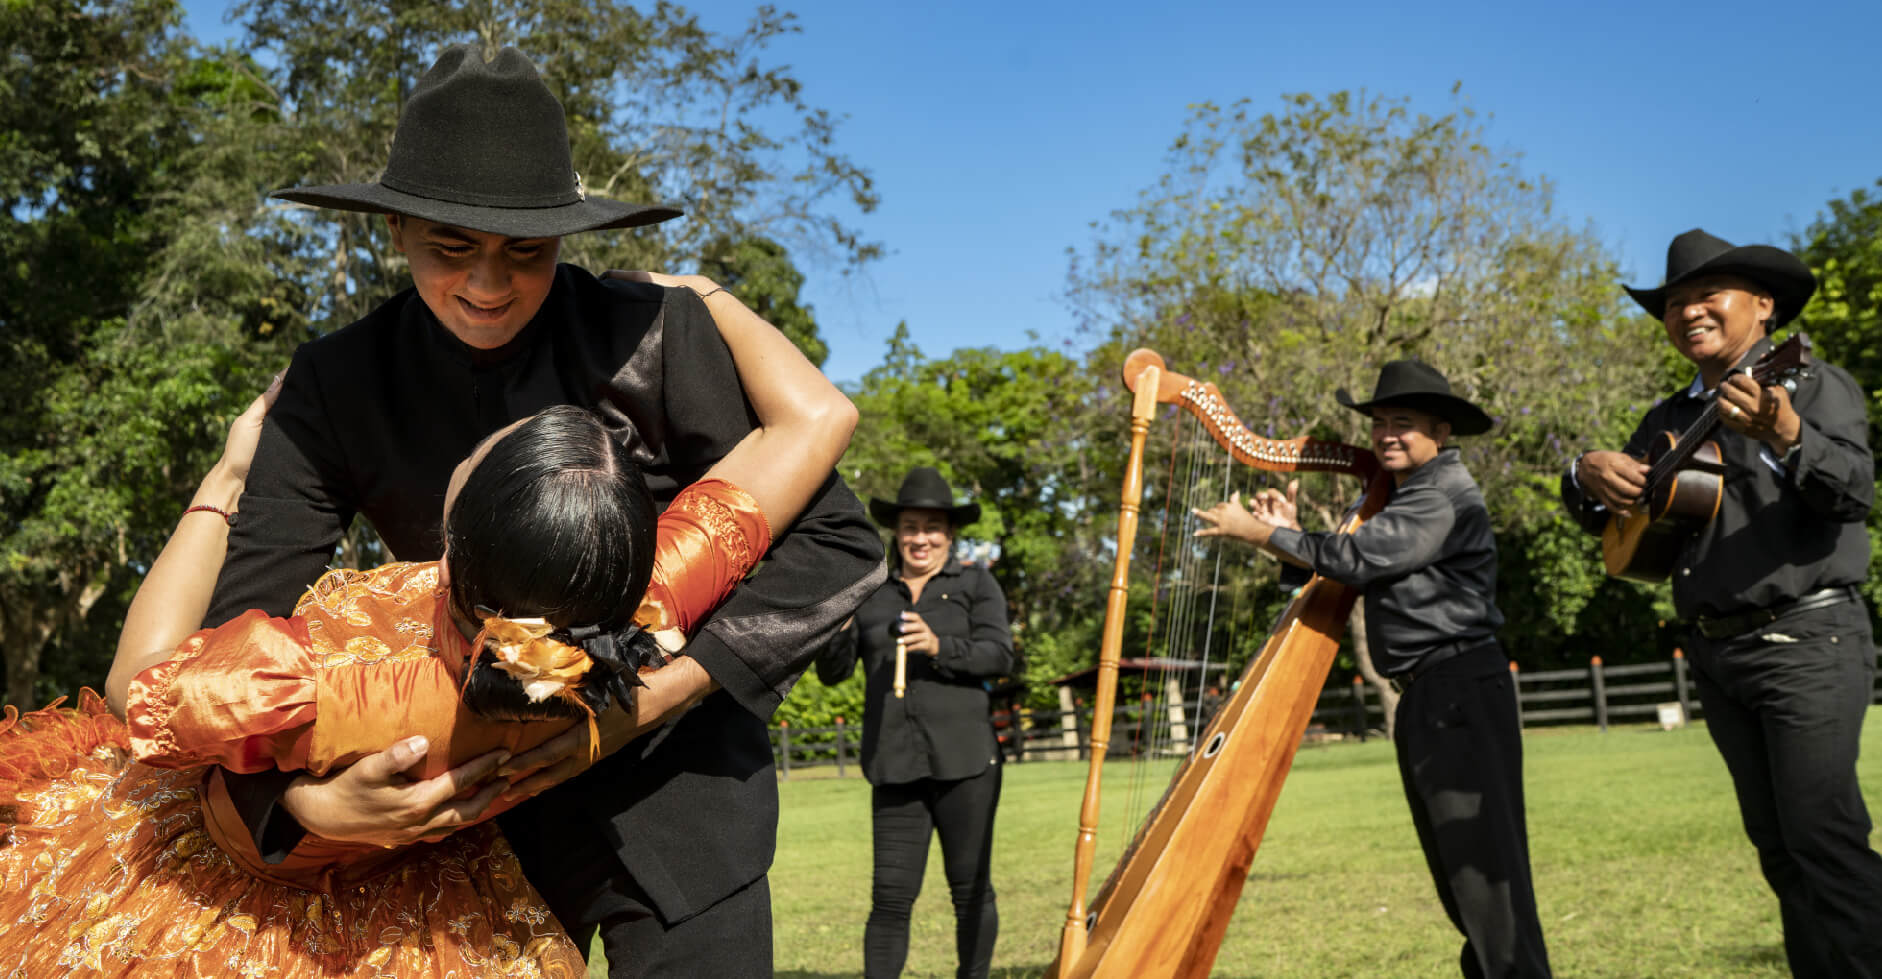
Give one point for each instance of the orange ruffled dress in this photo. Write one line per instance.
(121, 853)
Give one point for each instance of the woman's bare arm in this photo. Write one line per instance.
(171, 602)
(804, 422)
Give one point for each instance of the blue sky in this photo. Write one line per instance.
(997, 132)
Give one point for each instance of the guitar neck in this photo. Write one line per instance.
(1689, 442)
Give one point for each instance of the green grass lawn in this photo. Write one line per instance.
(1641, 867)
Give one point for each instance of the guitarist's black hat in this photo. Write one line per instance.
(1416, 384)
(1696, 253)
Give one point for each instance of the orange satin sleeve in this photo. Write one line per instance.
(707, 540)
(241, 695)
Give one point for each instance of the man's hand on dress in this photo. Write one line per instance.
(374, 801)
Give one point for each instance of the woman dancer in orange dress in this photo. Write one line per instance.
(122, 853)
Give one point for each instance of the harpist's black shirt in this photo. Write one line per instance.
(1427, 563)
(1785, 527)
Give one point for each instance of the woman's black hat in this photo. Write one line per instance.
(1696, 253)
(1416, 384)
(924, 489)
(483, 145)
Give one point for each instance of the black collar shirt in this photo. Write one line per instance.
(1426, 562)
(1785, 527)
(941, 727)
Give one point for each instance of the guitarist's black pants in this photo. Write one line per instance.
(1460, 757)
(1785, 705)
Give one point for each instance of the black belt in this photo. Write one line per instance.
(1727, 626)
(1431, 659)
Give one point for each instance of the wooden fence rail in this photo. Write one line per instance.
(1597, 694)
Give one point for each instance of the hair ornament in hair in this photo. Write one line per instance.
(620, 662)
(527, 649)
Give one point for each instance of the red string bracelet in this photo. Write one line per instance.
(227, 517)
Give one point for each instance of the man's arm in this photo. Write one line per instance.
(819, 568)
(1832, 465)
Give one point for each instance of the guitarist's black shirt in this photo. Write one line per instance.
(1785, 527)
(1427, 563)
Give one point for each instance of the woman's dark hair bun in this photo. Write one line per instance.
(619, 655)
(554, 522)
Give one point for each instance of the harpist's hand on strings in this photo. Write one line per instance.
(1614, 478)
(1275, 508)
(1231, 519)
(374, 801)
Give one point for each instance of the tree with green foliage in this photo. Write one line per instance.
(1287, 254)
(1003, 427)
(107, 413)
(151, 286)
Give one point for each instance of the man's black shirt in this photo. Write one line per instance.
(1785, 527)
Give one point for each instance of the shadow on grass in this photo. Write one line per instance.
(1753, 956)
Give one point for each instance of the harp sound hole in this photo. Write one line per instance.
(1215, 744)
(1091, 921)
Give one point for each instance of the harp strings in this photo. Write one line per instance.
(1193, 629)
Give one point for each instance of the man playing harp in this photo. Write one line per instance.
(1427, 566)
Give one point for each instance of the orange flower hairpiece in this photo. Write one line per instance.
(523, 648)
(545, 666)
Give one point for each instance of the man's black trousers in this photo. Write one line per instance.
(1785, 704)
(1460, 758)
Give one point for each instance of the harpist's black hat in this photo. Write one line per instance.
(1416, 384)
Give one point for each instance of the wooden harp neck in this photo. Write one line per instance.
(1204, 400)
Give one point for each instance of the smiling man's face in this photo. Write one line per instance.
(1714, 320)
(483, 287)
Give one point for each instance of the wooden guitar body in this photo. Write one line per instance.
(1646, 545)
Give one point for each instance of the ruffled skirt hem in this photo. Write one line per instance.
(106, 869)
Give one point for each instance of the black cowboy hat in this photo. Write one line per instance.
(483, 145)
(1696, 253)
(924, 489)
(1416, 384)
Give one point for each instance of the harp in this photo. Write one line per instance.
(1164, 909)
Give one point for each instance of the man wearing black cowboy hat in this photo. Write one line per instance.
(371, 420)
(1427, 566)
(1780, 643)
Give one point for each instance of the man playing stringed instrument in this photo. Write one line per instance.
(1780, 641)
(1427, 565)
